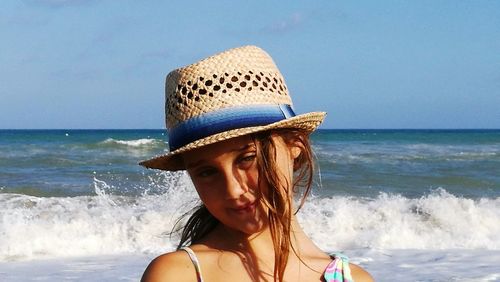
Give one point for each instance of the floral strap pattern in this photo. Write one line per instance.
(338, 270)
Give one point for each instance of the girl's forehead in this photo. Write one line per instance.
(227, 146)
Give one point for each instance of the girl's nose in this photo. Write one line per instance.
(235, 186)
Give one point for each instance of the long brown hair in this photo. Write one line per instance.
(278, 198)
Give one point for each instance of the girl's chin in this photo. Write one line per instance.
(253, 229)
(247, 228)
(249, 221)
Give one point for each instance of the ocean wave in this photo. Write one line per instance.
(438, 220)
(51, 227)
(407, 152)
(132, 143)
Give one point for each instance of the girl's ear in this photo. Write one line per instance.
(295, 151)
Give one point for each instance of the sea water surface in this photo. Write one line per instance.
(408, 205)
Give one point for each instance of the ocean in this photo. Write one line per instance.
(407, 205)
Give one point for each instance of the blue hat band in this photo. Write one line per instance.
(208, 124)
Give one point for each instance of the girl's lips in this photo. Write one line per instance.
(250, 207)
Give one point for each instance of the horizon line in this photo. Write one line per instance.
(319, 129)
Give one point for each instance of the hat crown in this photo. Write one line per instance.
(238, 77)
(234, 93)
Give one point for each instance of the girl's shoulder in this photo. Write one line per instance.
(174, 266)
(359, 274)
(340, 269)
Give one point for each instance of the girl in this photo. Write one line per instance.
(231, 126)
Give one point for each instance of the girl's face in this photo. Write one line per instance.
(226, 178)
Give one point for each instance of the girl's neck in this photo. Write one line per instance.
(225, 238)
(234, 240)
(256, 251)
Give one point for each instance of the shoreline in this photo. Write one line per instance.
(384, 265)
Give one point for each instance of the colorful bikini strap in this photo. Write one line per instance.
(338, 270)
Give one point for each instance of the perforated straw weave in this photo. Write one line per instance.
(234, 93)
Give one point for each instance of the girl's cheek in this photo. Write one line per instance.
(253, 179)
(208, 199)
(203, 192)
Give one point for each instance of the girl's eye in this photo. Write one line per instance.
(206, 172)
(247, 159)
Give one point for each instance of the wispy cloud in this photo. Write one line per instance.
(76, 74)
(294, 21)
(114, 28)
(26, 19)
(58, 3)
(157, 54)
(101, 42)
(146, 62)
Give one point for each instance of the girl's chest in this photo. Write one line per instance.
(244, 269)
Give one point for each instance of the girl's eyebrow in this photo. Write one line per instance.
(195, 164)
(201, 161)
(245, 147)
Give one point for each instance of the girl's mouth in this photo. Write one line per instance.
(250, 207)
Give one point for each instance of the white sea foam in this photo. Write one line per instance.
(429, 265)
(358, 153)
(133, 143)
(436, 221)
(34, 227)
(383, 265)
(99, 237)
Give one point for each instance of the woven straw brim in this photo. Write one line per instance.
(172, 161)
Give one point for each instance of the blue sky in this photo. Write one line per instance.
(369, 64)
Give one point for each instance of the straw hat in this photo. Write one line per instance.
(234, 93)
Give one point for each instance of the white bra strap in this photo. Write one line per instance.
(195, 261)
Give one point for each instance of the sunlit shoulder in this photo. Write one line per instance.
(175, 266)
(359, 274)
